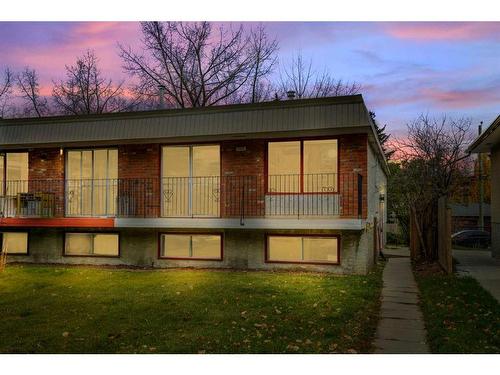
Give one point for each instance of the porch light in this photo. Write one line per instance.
(60, 151)
(381, 197)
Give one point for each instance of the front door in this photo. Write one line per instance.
(191, 181)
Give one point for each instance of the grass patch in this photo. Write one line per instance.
(460, 316)
(55, 309)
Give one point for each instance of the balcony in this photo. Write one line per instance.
(242, 197)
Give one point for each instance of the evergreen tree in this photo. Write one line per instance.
(383, 137)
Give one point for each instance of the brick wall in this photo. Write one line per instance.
(139, 174)
(247, 158)
(139, 184)
(353, 159)
(242, 177)
(46, 175)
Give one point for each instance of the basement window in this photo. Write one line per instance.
(15, 242)
(92, 244)
(191, 246)
(303, 249)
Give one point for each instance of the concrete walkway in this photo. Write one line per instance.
(401, 327)
(480, 265)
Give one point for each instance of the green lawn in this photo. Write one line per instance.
(56, 309)
(460, 316)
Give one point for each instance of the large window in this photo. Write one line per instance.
(191, 246)
(92, 244)
(308, 166)
(303, 249)
(13, 173)
(91, 182)
(191, 180)
(15, 242)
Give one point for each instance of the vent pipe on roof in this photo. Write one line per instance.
(161, 94)
(290, 94)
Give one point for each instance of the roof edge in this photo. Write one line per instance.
(484, 135)
(348, 99)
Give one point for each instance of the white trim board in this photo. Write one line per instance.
(211, 223)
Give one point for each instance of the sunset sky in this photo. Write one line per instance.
(404, 68)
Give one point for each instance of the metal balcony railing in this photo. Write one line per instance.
(274, 196)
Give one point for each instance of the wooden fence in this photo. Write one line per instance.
(445, 259)
(444, 235)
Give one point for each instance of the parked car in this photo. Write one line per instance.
(471, 238)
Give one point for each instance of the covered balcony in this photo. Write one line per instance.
(310, 196)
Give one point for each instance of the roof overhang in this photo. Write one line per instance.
(313, 117)
(488, 140)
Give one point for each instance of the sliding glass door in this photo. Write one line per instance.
(91, 182)
(190, 181)
(14, 167)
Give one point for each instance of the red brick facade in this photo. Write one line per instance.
(353, 159)
(243, 168)
(139, 180)
(139, 161)
(46, 175)
(243, 177)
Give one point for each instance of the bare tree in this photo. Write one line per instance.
(86, 91)
(5, 90)
(29, 88)
(264, 59)
(432, 164)
(299, 76)
(197, 66)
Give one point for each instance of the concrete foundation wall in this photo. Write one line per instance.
(242, 249)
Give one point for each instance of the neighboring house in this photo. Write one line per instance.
(489, 142)
(467, 216)
(283, 184)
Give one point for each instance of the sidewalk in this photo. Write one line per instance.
(480, 265)
(401, 327)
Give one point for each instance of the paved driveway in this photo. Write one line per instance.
(480, 265)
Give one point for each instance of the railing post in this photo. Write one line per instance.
(360, 195)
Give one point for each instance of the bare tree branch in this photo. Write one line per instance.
(29, 87)
(264, 51)
(432, 163)
(5, 91)
(198, 66)
(299, 76)
(86, 91)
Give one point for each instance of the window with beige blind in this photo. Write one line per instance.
(191, 180)
(304, 166)
(303, 249)
(15, 242)
(91, 182)
(13, 173)
(92, 244)
(191, 246)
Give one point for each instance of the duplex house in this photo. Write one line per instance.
(282, 184)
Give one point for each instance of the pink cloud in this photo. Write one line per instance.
(443, 30)
(462, 98)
